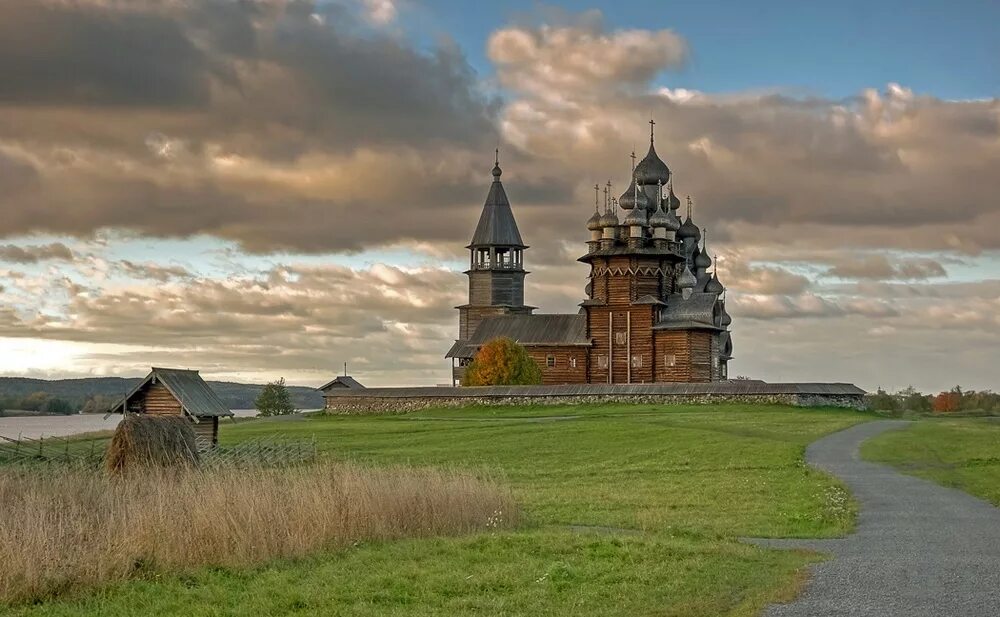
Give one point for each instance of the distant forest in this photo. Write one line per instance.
(96, 394)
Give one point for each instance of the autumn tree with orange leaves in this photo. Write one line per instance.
(502, 362)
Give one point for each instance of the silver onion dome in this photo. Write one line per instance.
(659, 218)
(610, 219)
(636, 217)
(627, 200)
(688, 230)
(714, 286)
(687, 279)
(595, 222)
(673, 202)
(701, 260)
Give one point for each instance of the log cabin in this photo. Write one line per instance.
(178, 392)
(655, 310)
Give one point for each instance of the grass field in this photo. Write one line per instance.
(629, 511)
(962, 453)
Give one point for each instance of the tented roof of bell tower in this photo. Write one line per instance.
(497, 226)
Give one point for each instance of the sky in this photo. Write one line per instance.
(271, 188)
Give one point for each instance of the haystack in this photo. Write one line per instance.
(152, 441)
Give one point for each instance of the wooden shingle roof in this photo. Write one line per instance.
(497, 226)
(344, 381)
(195, 396)
(529, 330)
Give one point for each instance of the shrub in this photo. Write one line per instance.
(274, 400)
(882, 401)
(946, 402)
(502, 362)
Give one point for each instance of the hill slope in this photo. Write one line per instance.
(78, 391)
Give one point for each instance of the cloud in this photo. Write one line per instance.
(152, 271)
(384, 319)
(381, 12)
(880, 267)
(275, 122)
(762, 280)
(298, 127)
(34, 254)
(766, 307)
(562, 61)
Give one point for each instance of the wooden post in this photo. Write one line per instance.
(628, 346)
(611, 346)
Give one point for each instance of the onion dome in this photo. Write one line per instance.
(701, 260)
(627, 200)
(610, 219)
(595, 222)
(636, 217)
(675, 223)
(687, 279)
(673, 202)
(659, 218)
(688, 230)
(726, 319)
(714, 285)
(651, 169)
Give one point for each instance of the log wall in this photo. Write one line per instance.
(563, 372)
(157, 400)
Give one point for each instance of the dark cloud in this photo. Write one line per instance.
(85, 54)
(34, 254)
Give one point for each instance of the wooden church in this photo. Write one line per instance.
(655, 309)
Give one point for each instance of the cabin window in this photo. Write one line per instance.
(550, 361)
(602, 361)
(670, 359)
(572, 362)
(621, 338)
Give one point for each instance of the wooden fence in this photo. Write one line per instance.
(272, 451)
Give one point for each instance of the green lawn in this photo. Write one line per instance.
(962, 453)
(630, 510)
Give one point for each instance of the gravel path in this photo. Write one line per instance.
(920, 549)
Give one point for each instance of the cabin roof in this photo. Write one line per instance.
(344, 381)
(528, 330)
(195, 396)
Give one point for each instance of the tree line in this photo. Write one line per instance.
(954, 400)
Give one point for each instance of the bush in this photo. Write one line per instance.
(274, 400)
(502, 362)
(947, 402)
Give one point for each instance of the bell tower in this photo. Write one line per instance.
(496, 263)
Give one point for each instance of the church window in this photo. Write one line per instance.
(670, 359)
(572, 362)
(550, 361)
(637, 361)
(602, 361)
(621, 337)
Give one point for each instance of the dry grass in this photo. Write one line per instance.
(158, 441)
(62, 531)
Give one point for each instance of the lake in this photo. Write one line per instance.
(33, 427)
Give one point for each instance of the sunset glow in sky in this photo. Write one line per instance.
(271, 188)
